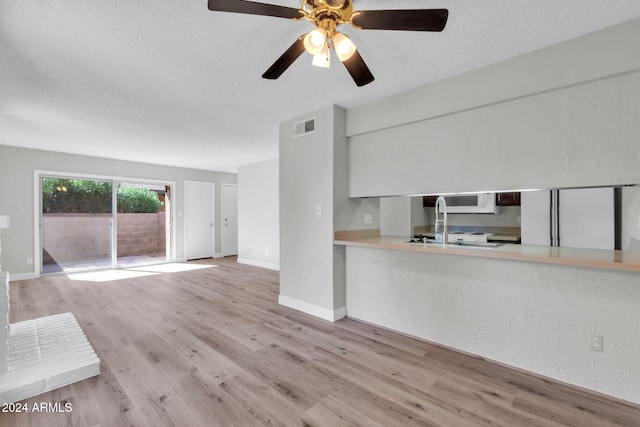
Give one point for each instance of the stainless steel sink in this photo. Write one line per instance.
(484, 245)
(488, 245)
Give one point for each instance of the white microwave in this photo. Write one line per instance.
(472, 203)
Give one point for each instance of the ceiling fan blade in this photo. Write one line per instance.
(402, 19)
(286, 59)
(254, 8)
(358, 69)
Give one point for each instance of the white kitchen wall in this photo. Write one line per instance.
(258, 214)
(563, 116)
(395, 216)
(400, 215)
(17, 167)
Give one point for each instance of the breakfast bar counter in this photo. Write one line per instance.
(482, 301)
(595, 258)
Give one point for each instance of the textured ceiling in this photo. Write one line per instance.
(169, 82)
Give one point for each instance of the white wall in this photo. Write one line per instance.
(538, 317)
(17, 167)
(400, 215)
(306, 182)
(259, 214)
(313, 173)
(563, 116)
(395, 216)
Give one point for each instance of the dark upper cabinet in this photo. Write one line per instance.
(429, 201)
(508, 199)
(502, 199)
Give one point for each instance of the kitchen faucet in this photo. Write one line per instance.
(441, 224)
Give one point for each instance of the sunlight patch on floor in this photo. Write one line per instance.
(176, 267)
(109, 275)
(135, 272)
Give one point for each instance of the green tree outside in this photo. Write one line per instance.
(60, 195)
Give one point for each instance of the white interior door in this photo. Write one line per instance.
(230, 220)
(200, 219)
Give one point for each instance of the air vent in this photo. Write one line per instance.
(304, 127)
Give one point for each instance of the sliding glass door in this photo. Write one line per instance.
(90, 223)
(76, 224)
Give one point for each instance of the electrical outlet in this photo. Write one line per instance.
(319, 210)
(266, 253)
(29, 261)
(368, 219)
(597, 343)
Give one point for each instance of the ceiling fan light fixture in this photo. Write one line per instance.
(343, 46)
(315, 41)
(322, 59)
(326, 16)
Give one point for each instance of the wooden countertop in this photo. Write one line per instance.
(595, 258)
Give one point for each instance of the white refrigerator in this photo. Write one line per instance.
(576, 218)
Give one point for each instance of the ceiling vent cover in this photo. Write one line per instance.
(304, 127)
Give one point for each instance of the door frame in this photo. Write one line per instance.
(38, 174)
(186, 208)
(222, 215)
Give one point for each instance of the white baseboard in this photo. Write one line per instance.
(215, 255)
(15, 277)
(314, 310)
(259, 264)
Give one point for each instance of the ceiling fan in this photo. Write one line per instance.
(327, 15)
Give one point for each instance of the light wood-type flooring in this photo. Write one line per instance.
(211, 347)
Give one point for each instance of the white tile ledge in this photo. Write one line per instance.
(45, 354)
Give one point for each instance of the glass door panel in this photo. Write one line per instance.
(76, 224)
(143, 223)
